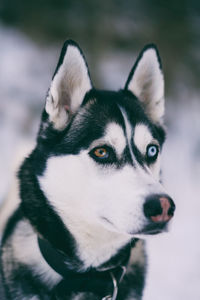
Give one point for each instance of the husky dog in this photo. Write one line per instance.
(90, 188)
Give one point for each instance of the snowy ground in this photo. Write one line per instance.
(174, 258)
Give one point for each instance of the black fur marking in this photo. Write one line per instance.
(136, 280)
(110, 157)
(47, 224)
(10, 226)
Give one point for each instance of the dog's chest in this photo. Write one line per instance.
(129, 288)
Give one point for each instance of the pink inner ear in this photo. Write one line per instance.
(66, 107)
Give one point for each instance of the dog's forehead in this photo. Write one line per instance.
(109, 118)
(114, 136)
(108, 106)
(142, 137)
(121, 119)
(105, 106)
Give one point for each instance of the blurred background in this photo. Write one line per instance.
(111, 34)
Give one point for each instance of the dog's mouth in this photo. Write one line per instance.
(149, 229)
(152, 229)
(110, 225)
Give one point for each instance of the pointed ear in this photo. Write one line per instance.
(70, 83)
(147, 84)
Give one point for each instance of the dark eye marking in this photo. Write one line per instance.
(152, 151)
(103, 154)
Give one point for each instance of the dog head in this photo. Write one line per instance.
(99, 151)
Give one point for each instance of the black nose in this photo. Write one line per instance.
(159, 208)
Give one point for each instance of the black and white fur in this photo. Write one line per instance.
(87, 208)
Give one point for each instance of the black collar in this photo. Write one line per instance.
(102, 281)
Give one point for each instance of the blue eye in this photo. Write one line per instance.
(152, 152)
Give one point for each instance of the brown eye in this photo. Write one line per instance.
(101, 153)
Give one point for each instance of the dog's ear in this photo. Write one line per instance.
(70, 82)
(147, 84)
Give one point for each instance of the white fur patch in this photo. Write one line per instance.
(155, 169)
(142, 137)
(68, 87)
(114, 136)
(101, 207)
(137, 256)
(147, 84)
(25, 246)
(80, 195)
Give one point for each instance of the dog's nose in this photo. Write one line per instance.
(159, 208)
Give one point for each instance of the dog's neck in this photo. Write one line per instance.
(60, 262)
(95, 245)
(103, 280)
